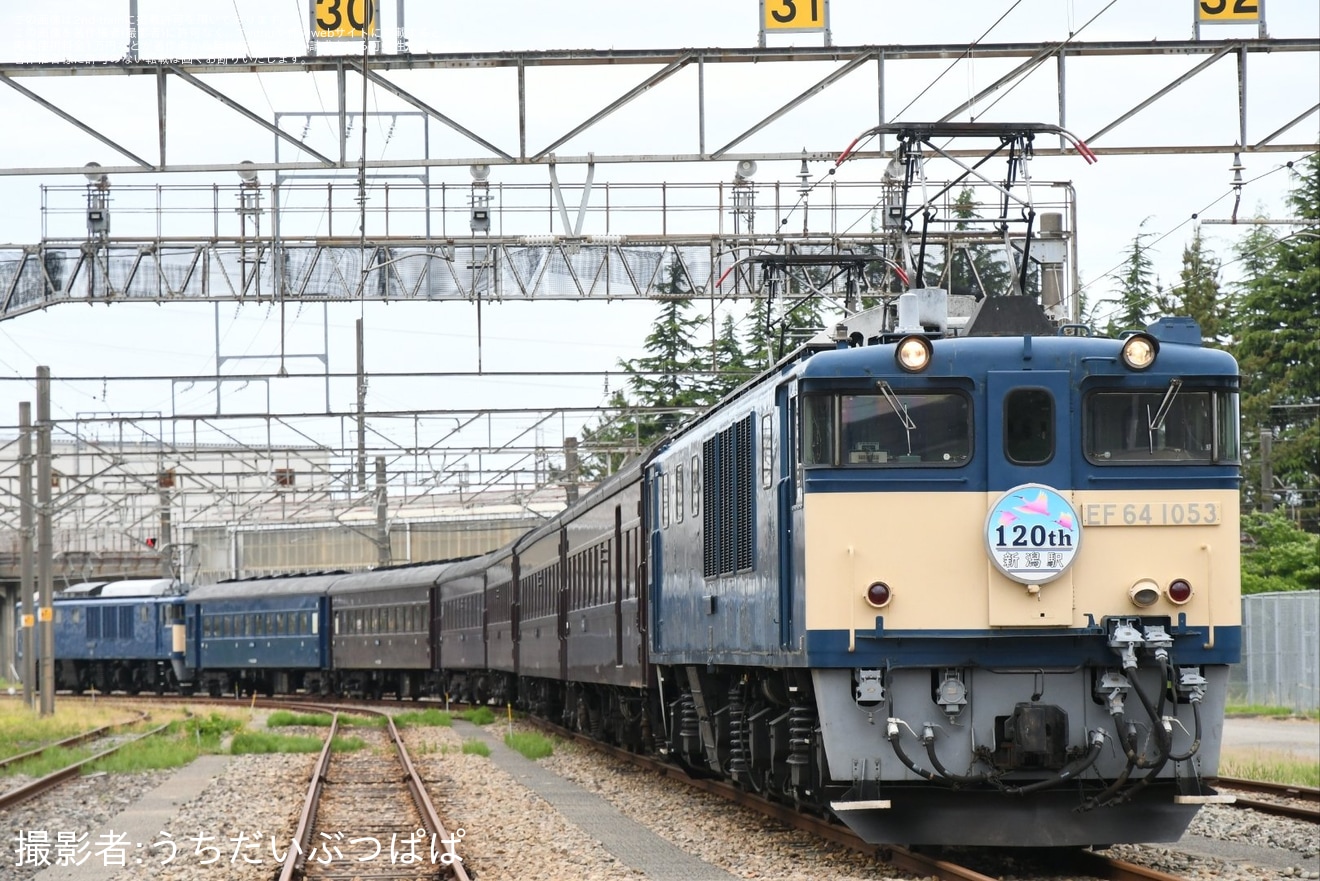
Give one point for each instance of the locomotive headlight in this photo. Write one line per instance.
(878, 595)
(913, 353)
(1139, 351)
(1180, 591)
(1144, 593)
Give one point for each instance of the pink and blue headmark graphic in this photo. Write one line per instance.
(1032, 534)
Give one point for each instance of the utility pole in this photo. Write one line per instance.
(361, 408)
(45, 547)
(165, 542)
(384, 555)
(27, 593)
(1266, 471)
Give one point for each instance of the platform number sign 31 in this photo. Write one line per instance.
(344, 19)
(1228, 10)
(794, 15)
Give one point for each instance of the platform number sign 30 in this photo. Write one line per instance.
(344, 19)
(794, 15)
(1228, 10)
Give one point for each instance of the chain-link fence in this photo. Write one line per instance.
(1280, 659)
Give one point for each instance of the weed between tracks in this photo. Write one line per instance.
(530, 743)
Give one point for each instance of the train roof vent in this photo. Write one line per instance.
(1177, 329)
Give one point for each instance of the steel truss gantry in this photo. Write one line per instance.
(1078, 65)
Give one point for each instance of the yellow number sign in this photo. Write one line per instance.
(344, 19)
(1228, 10)
(794, 15)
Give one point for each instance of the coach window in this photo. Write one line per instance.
(1029, 426)
(696, 485)
(662, 489)
(678, 493)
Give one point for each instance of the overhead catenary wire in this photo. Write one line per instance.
(1195, 215)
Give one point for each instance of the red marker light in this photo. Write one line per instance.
(1180, 591)
(879, 595)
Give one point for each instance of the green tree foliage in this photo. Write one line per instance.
(1198, 294)
(1137, 288)
(1277, 343)
(730, 363)
(976, 270)
(1280, 556)
(662, 384)
(777, 326)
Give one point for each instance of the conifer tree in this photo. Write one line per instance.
(1277, 345)
(1198, 295)
(1137, 287)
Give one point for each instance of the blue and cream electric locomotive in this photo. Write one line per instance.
(973, 590)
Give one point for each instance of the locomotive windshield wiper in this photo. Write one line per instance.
(1156, 423)
(899, 410)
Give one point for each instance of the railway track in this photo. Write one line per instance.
(1284, 800)
(927, 865)
(367, 816)
(31, 790)
(75, 740)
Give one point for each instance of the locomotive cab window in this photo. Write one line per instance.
(887, 429)
(1029, 426)
(1169, 425)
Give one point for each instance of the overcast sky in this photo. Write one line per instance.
(1114, 196)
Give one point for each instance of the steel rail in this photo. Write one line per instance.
(1308, 812)
(50, 781)
(423, 801)
(302, 834)
(70, 741)
(894, 855)
(416, 786)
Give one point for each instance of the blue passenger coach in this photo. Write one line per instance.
(268, 635)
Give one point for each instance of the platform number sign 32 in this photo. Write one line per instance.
(794, 15)
(1228, 10)
(344, 19)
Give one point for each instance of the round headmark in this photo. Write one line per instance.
(1032, 534)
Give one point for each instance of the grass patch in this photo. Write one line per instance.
(530, 744)
(478, 716)
(428, 718)
(1264, 710)
(22, 729)
(48, 762)
(263, 743)
(475, 748)
(207, 731)
(1272, 767)
(285, 719)
(148, 754)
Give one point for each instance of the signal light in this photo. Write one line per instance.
(151, 542)
(1180, 591)
(878, 595)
